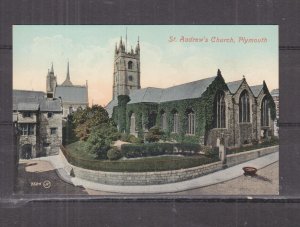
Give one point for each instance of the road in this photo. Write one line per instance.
(39, 177)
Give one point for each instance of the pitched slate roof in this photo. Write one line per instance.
(157, 95)
(275, 92)
(27, 100)
(110, 106)
(256, 89)
(47, 105)
(22, 106)
(33, 101)
(234, 86)
(186, 91)
(149, 94)
(72, 94)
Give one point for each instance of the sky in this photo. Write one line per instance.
(164, 62)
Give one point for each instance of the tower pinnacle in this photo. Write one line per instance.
(67, 81)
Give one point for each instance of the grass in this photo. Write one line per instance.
(76, 156)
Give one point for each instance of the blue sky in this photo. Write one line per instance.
(90, 50)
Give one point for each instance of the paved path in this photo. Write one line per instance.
(210, 179)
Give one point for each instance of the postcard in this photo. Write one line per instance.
(146, 109)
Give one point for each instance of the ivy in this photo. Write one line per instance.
(121, 117)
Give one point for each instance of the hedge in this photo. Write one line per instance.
(139, 165)
(155, 149)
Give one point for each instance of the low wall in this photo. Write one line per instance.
(163, 177)
(234, 159)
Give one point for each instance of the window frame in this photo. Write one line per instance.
(244, 107)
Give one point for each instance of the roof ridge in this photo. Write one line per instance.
(191, 82)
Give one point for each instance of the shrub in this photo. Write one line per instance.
(100, 140)
(154, 135)
(210, 151)
(155, 149)
(114, 153)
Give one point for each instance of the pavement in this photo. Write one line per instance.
(203, 181)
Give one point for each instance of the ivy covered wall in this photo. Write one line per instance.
(203, 108)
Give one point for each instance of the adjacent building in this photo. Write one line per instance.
(275, 95)
(72, 96)
(38, 123)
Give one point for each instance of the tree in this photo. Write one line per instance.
(85, 120)
(101, 138)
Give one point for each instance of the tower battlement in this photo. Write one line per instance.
(126, 75)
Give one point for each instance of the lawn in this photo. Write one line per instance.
(76, 156)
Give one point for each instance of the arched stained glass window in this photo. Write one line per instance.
(244, 107)
(265, 112)
(220, 111)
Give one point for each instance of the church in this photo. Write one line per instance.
(72, 96)
(201, 111)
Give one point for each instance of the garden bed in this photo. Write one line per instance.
(146, 164)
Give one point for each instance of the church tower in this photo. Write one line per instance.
(51, 82)
(126, 69)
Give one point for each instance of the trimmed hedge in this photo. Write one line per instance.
(139, 165)
(155, 149)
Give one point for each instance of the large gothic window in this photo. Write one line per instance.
(163, 120)
(132, 123)
(191, 122)
(244, 107)
(175, 122)
(220, 114)
(265, 112)
(130, 64)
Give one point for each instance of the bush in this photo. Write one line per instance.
(210, 151)
(155, 149)
(100, 140)
(130, 138)
(114, 153)
(154, 135)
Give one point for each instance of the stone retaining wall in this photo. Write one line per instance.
(163, 177)
(234, 159)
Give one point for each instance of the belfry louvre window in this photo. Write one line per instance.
(191, 123)
(220, 114)
(265, 112)
(132, 123)
(175, 122)
(244, 107)
(130, 64)
(163, 121)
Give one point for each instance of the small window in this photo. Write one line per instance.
(53, 131)
(50, 114)
(27, 114)
(26, 129)
(130, 78)
(46, 144)
(130, 64)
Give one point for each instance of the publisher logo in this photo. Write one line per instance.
(46, 184)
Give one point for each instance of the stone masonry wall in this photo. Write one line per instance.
(163, 177)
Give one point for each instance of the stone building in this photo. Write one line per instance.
(201, 111)
(72, 96)
(275, 95)
(38, 121)
(126, 70)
